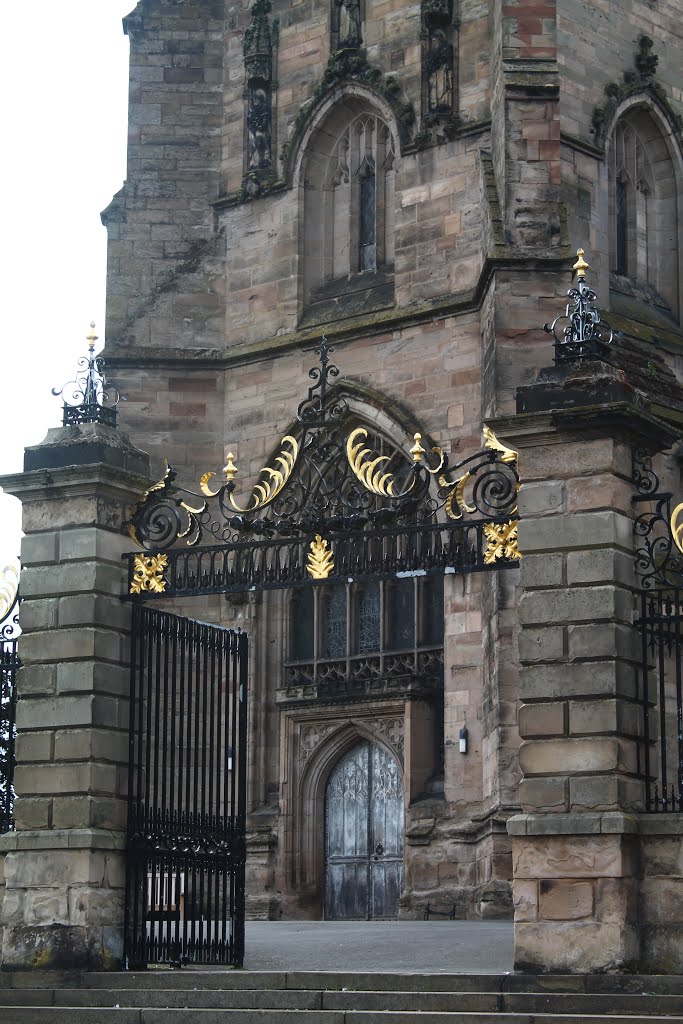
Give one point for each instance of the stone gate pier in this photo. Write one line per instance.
(598, 885)
(64, 864)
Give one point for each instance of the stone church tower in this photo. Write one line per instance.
(411, 180)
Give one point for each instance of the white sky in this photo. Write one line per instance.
(64, 83)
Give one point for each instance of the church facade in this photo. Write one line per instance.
(410, 181)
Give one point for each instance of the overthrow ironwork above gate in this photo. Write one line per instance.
(328, 505)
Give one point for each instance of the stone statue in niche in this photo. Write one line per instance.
(347, 25)
(438, 68)
(259, 138)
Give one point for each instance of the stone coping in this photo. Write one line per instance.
(63, 839)
(605, 823)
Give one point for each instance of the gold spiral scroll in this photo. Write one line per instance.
(676, 527)
(272, 480)
(365, 469)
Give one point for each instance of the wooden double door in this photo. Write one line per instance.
(364, 835)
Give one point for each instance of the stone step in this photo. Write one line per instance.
(190, 979)
(603, 1004)
(117, 1015)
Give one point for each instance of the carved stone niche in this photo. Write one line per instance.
(346, 25)
(259, 48)
(439, 100)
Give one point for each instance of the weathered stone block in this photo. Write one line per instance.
(34, 746)
(92, 542)
(39, 549)
(573, 856)
(546, 498)
(37, 614)
(581, 946)
(603, 640)
(544, 719)
(544, 794)
(70, 812)
(538, 572)
(93, 676)
(37, 679)
(538, 644)
(525, 900)
(565, 900)
(574, 532)
(545, 682)
(553, 757)
(606, 565)
(32, 813)
(577, 604)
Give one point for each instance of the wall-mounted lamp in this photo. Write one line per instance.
(463, 740)
(229, 758)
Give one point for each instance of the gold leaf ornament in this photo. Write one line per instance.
(491, 442)
(366, 469)
(502, 542)
(271, 480)
(320, 560)
(9, 587)
(676, 527)
(148, 574)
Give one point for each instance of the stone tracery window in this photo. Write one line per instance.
(348, 201)
(643, 210)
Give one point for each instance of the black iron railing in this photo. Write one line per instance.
(186, 847)
(661, 623)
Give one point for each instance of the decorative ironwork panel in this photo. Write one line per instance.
(659, 566)
(9, 666)
(328, 506)
(364, 835)
(186, 849)
(585, 335)
(89, 397)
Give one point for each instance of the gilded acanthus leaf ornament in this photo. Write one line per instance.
(365, 468)
(491, 442)
(502, 542)
(320, 560)
(148, 574)
(271, 480)
(9, 588)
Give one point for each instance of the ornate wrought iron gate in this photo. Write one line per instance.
(9, 666)
(187, 792)
(659, 565)
(337, 503)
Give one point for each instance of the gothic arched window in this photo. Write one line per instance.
(644, 228)
(348, 209)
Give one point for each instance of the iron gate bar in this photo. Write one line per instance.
(186, 850)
